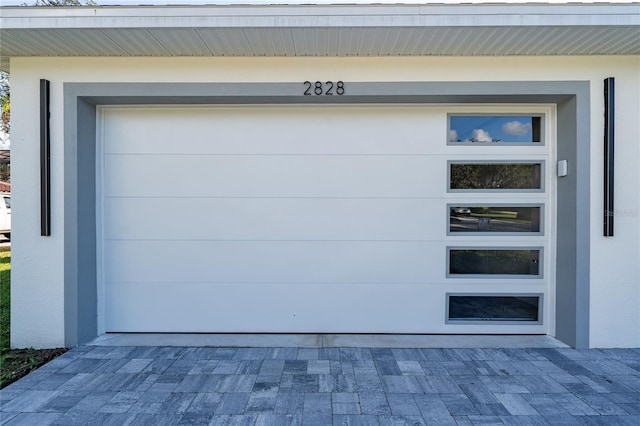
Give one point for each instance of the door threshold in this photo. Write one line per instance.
(328, 340)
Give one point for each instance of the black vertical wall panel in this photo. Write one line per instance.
(45, 160)
(609, 167)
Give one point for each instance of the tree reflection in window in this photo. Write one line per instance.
(495, 176)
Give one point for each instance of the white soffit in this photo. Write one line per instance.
(322, 30)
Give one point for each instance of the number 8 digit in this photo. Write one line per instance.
(340, 88)
(318, 88)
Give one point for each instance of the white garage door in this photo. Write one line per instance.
(294, 219)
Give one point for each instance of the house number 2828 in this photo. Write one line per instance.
(328, 88)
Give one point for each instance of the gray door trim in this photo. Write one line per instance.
(573, 108)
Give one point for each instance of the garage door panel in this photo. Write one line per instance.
(272, 261)
(225, 307)
(301, 219)
(276, 130)
(274, 219)
(273, 176)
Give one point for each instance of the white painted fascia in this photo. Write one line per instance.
(301, 16)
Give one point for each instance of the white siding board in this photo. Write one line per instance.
(274, 219)
(276, 130)
(314, 308)
(274, 176)
(273, 261)
(382, 308)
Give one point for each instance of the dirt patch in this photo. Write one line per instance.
(17, 363)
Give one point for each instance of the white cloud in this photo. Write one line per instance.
(516, 128)
(453, 136)
(481, 135)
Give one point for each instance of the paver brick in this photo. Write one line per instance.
(233, 420)
(403, 404)
(31, 419)
(308, 353)
(374, 403)
(336, 383)
(64, 402)
(355, 354)
(345, 408)
(401, 421)
(316, 419)
(318, 367)
(516, 404)
(145, 419)
(269, 419)
(355, 420)
(30, 401)
(388, 368)
(289, 403)
(401, 384)
(232, 403)
(459, 405)
(263, 397)
(317, 404)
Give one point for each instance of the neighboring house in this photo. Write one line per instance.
(433, 169)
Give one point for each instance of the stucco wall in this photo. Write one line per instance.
(38, 270)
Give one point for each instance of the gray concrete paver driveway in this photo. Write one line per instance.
(97, 385)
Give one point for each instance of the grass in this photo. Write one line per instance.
(15, 363)
(5, 299)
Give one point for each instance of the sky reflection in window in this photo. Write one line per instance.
(494, 129)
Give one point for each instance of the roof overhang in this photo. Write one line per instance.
(321, 30)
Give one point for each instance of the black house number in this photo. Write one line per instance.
(328, 88)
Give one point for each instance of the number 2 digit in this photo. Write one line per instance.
(308, 84)
(330, 85)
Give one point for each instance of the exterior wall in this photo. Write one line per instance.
(38, 267)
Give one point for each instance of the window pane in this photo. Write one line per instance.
(494, 129)
(494, 219)
(494, 308)
(495, 176)
(494, 262)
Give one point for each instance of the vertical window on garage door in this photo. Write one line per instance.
(495, 218)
